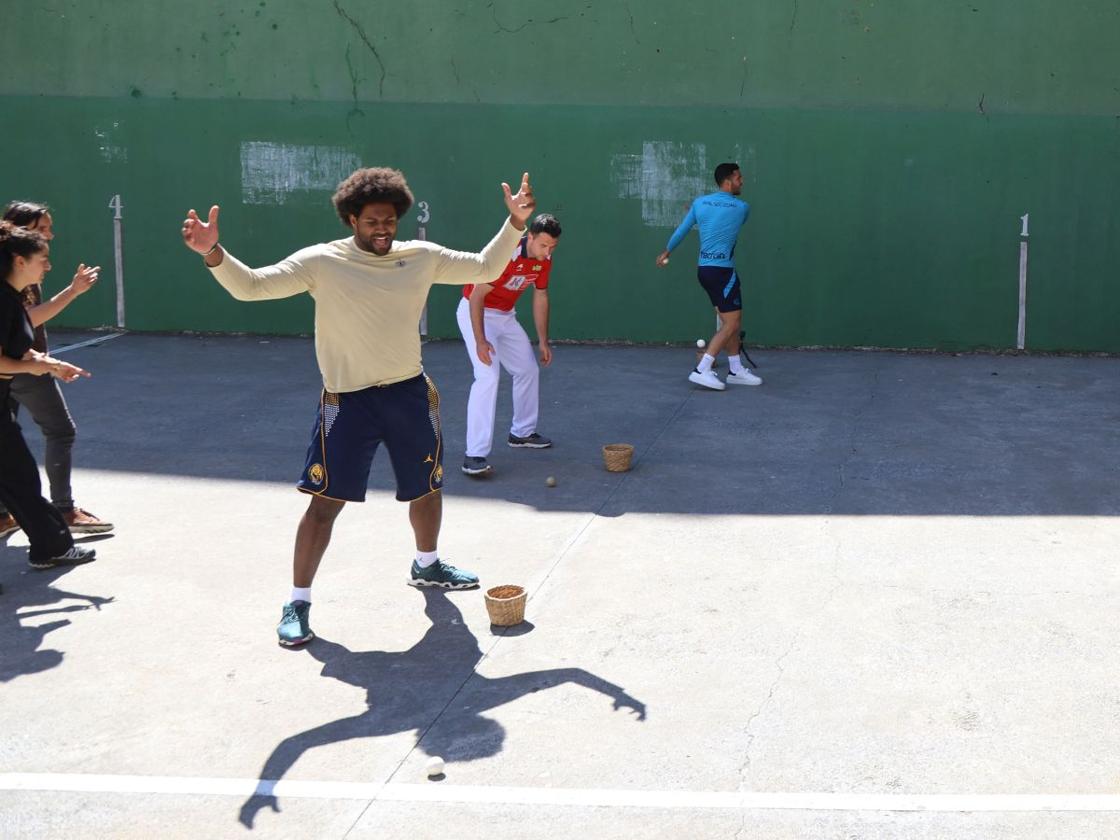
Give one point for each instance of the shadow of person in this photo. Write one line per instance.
(409, 690)
(21, 653)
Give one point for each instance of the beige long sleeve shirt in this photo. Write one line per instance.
(367, 308)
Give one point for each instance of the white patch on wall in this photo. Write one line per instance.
(665, 177)
(109, 143)
(747, 158)
(272, 172)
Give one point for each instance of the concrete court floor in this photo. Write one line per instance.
(879, 575)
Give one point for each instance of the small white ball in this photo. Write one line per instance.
(434, 766)
(550, 481)
(701, 344)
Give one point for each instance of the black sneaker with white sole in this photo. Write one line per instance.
(474, 465)
(533, 441)
(73, 556)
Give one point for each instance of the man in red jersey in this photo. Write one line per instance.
(495, 339)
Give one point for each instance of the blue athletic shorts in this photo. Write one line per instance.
(404, 416)
(722, 286)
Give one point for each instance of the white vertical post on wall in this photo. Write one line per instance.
(1021, 334)
(118, 256)
(423, 217)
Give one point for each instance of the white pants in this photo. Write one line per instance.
(512, 351)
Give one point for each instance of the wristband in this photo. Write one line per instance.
(211, 251)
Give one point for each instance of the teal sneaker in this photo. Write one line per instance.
(442, 574)
(295, 628)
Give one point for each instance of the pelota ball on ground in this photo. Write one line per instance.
(434, 766)
(550, 481)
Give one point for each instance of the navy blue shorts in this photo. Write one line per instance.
(722, 286)
(350, 427)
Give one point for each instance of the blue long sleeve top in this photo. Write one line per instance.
(719, 216)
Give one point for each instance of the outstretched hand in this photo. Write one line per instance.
(84, 278)
(64, 370)
(520, 206)
(198, 235)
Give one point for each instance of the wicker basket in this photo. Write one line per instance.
(506, 605)
(617, 456)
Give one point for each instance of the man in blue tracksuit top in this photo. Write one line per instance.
(719, 216)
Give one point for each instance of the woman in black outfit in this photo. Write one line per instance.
(24, 260)
(41, 396)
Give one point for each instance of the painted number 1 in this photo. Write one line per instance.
(1025, 219)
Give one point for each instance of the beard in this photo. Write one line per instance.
(367, 244)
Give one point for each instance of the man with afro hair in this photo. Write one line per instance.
(369, 291)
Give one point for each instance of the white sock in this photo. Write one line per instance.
(426, 558)
(736, 363)
(706, 363)
(300, 593)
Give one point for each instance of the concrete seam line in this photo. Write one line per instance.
(568, 797)
(538, 583)
(58, 351)
(541, 580)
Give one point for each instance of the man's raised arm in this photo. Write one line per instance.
(282, 280)
(457, 268)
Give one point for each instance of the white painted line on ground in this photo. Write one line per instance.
(440, 792)
(58, 351)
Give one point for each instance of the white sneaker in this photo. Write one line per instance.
(743, 377)
(707, 379)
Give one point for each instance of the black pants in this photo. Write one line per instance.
(22, 492)
(43, 399)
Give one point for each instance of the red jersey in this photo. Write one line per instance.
(521, 273)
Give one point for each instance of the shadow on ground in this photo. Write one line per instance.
(828, 433)
(29, 596)
(407, 692)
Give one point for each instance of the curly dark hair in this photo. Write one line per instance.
(15, 242)
(378, 184)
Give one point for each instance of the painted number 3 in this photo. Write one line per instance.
(425, 214)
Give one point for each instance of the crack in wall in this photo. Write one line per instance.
(353, 76)
(501, 28)
(633, 31)
(369, 44)
(793, 18)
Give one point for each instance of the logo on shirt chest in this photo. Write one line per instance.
(519, 281)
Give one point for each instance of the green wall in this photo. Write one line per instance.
(889, 149)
